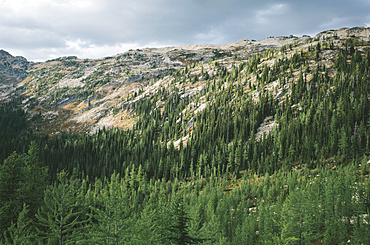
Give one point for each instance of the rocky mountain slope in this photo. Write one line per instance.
(12, 71)
(71, 94)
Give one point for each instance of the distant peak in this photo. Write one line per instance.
(4, 53)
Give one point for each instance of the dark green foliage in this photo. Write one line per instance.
(323, 117)
(20, 231)
(287, 207)
(10, 190)
(59, 218)
(179, 225)
(110, 213)
(306, 181)
(12, 134)
(22, 181)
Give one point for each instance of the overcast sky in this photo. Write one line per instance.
(45, 29)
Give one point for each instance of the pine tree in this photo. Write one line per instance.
(343, 141)
(148, 227)
(11, 178)
(111, 214)
(211, 229)
(247, 232)
(361, 228)
(59, 215)
(35, 180)
(20, 232)
(178, 228)
(238, 160)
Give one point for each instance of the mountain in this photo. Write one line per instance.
(180, 88)
(13, 69)
(253, 142)
(91, 94)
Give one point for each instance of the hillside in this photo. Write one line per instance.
(254, 142)
(92, 94)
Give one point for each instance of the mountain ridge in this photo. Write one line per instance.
(91, 94)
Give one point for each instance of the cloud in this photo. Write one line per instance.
(85, 49)
(40, 29)
(265, 16)
(367, 21)
(335, 22)
(89, 50)
(211, 36)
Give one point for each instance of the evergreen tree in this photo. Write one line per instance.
(20, 232)
(343, 144)
(59, 218)
(148, 227)
(111, 213)
(11, 178)
(35, 180)
(178, 228)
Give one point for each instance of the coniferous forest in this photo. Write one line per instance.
(304, 182)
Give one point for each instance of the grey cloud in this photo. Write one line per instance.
(114, 24)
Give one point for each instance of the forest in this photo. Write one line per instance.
(304, 182)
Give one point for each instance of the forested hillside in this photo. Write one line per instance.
(259, 144)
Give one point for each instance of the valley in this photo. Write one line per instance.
(252, 142)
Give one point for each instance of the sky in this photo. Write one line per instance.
(46, 29)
